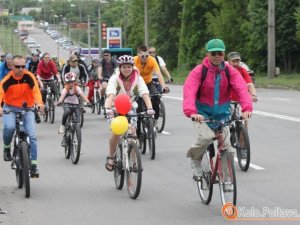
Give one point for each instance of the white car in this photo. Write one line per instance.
(34, 45)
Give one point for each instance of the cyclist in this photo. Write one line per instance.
(17, 87)
(2, 57)
(210, 98)
(93, 78)
(46, 71)
(80, 61)
(6, 66)
(147, 66)
(74, 66)
(127, 81)
(107, 66)
(162, 66)
(234, 59)
(70, 95)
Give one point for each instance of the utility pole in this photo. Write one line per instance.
(146, 22)
(89, 36)
(271, 39)
(99, 31)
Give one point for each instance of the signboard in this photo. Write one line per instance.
(79, 26)
(114, 37)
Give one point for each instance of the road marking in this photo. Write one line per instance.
(165, 132)
(256, 167)
(276, 116)
(282, 99)
(295, 119)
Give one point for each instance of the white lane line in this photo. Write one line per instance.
(165, 132)
(282, 99)
(256, 167)
(277, 116)
(295, 119)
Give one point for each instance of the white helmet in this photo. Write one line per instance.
(125, 59)
(69, 77)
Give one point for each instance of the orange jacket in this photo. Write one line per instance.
(16, 90)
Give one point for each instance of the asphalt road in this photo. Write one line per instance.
(84, 194)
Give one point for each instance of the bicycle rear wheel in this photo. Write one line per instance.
(51, 111)
(25, 167)
(205, 185)
(119, 169)
(45, 115)
(227, 179)
(134, 172)
(160, 122)
(142, 136)
(243, 147)
(75, 146)
(81, 119)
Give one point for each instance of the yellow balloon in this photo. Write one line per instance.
(119, 125)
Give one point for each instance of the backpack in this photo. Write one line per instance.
(204, 75)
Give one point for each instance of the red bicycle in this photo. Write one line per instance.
(219, 170)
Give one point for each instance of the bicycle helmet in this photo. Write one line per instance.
(69, 77)
(125, 59)
(54, 57)
(35, 53)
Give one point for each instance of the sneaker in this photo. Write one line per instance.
(61, 129)
(196, 168)
(228, 186)
(6, 155)
(34, 172)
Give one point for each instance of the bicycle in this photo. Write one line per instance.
(214, 171)
(239, 138)
(49, 104)
(72, 135)
(96, 103)
(128, 162)
(21, 154)
(146, 130)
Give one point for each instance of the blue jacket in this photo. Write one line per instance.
(3, 70)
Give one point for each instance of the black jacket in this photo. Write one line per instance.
(83, 72)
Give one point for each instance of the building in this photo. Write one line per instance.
(24, 22)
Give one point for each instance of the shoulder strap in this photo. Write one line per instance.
(156, 58)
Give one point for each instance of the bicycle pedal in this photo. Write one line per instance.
(13, 166)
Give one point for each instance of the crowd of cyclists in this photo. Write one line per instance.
(207, 91)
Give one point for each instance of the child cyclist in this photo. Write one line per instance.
(70, 96)
(126, 81)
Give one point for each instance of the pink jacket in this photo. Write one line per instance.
(214, 100)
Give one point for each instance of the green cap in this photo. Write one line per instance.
(215, 45)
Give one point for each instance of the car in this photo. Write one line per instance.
(34, 45)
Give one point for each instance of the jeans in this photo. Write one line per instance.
(9, 126)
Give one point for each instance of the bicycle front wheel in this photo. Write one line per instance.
(134, 171)
(25, 167)
(204, 184)
(98, 103)
(75, 144)
(19, 172)
(81, 119)
(119, 169)
(160, 123)
(150, 133)
(67, 141)
(51, 111)
(227, 179)
(243, 147)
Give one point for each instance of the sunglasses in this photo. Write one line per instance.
(19, 66)
(217, 53)
(106, 55)
(74, 61)
(145, 56)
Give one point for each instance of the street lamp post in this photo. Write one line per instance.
(146, 22)
(99, 26)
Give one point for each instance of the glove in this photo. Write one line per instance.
(166, 90)
(110, 114)
(150, 112)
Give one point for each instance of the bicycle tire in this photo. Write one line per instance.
(98, 103)
(19, 173)
(142, 137)
(205, 185)
(160, 122)
(67, 144)
(25, 167)
(119, 169)
(45, 115)
(81, 119)
(151, 137)
(227, 196)
(243, 144)
(51, 111)
(75, 147)
(134, 171)
(93, 106)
